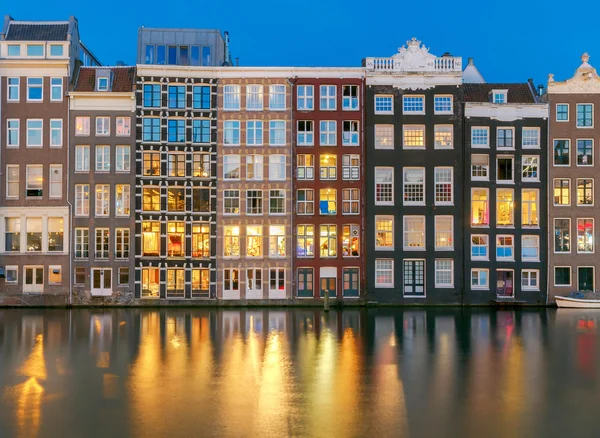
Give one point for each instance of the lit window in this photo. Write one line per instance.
(150, 239)
(480, 137)
(176, 130)
(562, 276)
(254, 202)
(505, 248)
(305, 201)
(54, 274)
(35, 89)
(328, 97)
(562, 112)
(413, 104)
(200, 283)
(254, 97)
(414, 136)
(151, 164)
(56, 89)
(277, 133)
(305, 97)
(384, 273)
(175, 199)
(231, 202)
(305, 241)
(102, 199)
(175, 239)
(328, 167)
(277, 241)
(231, 167)
(200, 131)
(150, 282)
(122, 243)
(34, 132)
(585, 115)
(231, 97)
(504, 207)
(562, 235)
(350, 201)
(384, 233)
(12, 234)
(201, 163)
(480, 167)
(276, 167)
(585, 191)
(443, 178)
(585, 152)
(530, 248)
(276, 201)
(276, 97)
(175, 283)
(328, 133)
(479, 279)
(529, 279)
(350, 241)
(444, 273)
(350, 133)
(122, 199)
(479, 246)
(442, 104)
(176, 164)
(102, 125)
(34, 181)
(414, 186)
(561, 152)
(82, 199)
(55, 234)
(562, 192)
(328, 241)
(443, 136)
(82, 243)
(530, 207)
(12, 133)
(102, 158)
(530, 167)
(585, 235)
(384, 186)
(350, 167)
(384, 104)
(305, 135)
(305, 166)
(151, 129)
(102, 243)
(151, 199)
(444, 234)
(231, 280)
(480, 213)
(384, 136)
(254, 241)
(327, 201)
(414, 233)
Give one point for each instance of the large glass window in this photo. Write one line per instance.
(12, 181)
(384, 233)
(444, 233)
(276, 97)
(35, 89)
(585, 115)
(442, 104)
(328, 241)
(277, 201)
(201, 199)
(151, 239)
(201, 131)
(254, 202)
(414, 232)
(562, 112)
(122, 243)
(56, 132)
(276, 167)
(102, 158)
(328, 133)
(384, 186)
(384, 273)
(530, 167)
(413, 104)
(254, 241)
(102, 243)
(176, 239)
(444, 188)
(480, 137)
(176, 96)
(176, 130)
(585, 152)
(350, 241)
(12, 133)
(176, 199)
(505, 207)
(479, 246)
(444, 273)
(231, 202)
(384, 104)
(327, 201)
(305, 97)
(562, 235)
(562, 192)
(34, 133)
(443, 136)
(350, 97)
(504, 169)
(585, 191)
(480, 213)
(82, 243)
(231, 167)
(102, 199)
(122, 199)
(384, 136)
(328, 166)
(176, 164)
(305, 202)
(231, 97)
(350, 201)
(201, 165)
(151, 199)
(505, 138)
(151, 129)
(414, 185)
(531, 138)
(82, 199)
(254, 97)
(561, 152)
(328, 97)
(231, 132)
(305, 241)
(305, 166)
(530, 248)
(151, 95)
(413, 136)
(201, 97)
(150, 283)
(175, 283)
(277, 133)
(305, 134)
(254, 133)
(585, 235)
(277, 241)
(530, 207)
(12, 234)
(122, 155)
(231, 241)
(505, 248)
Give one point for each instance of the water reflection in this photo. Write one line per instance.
(405, 373)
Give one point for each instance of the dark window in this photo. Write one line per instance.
(184, 55)
(561, 152)
(176, 132)
(201, 131)
(201, 200)
(201, 97)
(176, 96)
(172, 55)
(584, 153)
(152, 95)
(562, 276)
(562, 235)
(195, 58)
(505, 169)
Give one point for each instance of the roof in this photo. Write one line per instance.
(123, 79)
(517, 93)
(37, 32)
(471, 74)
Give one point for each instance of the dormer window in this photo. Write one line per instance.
(102, 84)
(499, 96)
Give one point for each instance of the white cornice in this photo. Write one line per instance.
(414, 81)
(93, 101)
(250, 72)
(507, 112)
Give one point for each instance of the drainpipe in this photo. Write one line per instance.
(291, 82)
(71, 229)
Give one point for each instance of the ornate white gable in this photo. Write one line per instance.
(585, 80)
(414, 57)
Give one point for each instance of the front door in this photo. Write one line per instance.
(414, 278)
(585, 279)
(328, 283)
(101, 281)
(504, 284)
(350, 282)
(305, 283)
(34, 279)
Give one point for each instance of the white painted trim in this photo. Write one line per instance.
(507, 112)
(251, 72)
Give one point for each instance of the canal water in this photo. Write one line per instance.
(302, 372)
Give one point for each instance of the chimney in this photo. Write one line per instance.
(120, 64)
(470, 62)
(237, 62)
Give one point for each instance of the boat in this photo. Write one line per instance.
(577, 300)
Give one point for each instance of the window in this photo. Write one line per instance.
(82, 243)
(231, 202)
(231, 97)
(305, 133)
(328, 167)
(562, 235)
(277, 280)
(54, 274)
(350, 97)
(562, 192)
(530, 207)
(414, 186)
(350, 201)
(176, 164)
(175, 283)
(444, 273)
(413, 104)
(201, 131)
(531, 138)
(34, 234)
(176, 130)
(585, 115)
(123, 276)
(12, 133)
(12, 181)
(530, 248)
(56, 132)
(414, 136)
(499, 96)
(201, 199)
(505, 248)
(328, 97)
(175, 239)
(529, 279)
(384, 273)
(480, 137)
(276, 167)
(150, 282)
(254, 97)
(585, 152)
(254, 167)
(102, 243)
(254, 241)
(480, 213)
(442, 104)
(384, 136)
(254, 202)
(102, 199)
(231, 241)
(151, 164)
(151, 97)
(328, 241)
(305, 201)
(176, 199)
(34, 133)
(231, 167)
(150, 199)
(327, 201)
(277, 133)
(102, 125)
(305, 97)
(414, 232)
(328, 133)
(176, 96)
(82, 158)
(122, 243)
(562, 112)
(56, 180)
(444, 233)
(35, 89)
(561, 152)
(350, 133)
(13, 90)
(276, 201)
(529, 168)
(231, 132)
(254, 280)
(122, 199)
(384, 186)
(151, 129)
(505, 138)
(200, 283)
(585, 191)
(277, 241)
(103, 84)
(201, 97)
(479, 278)
(504, 169)
(562, 276)
(384, 233)
(480, 167)
(82, 199)
(14, 50)
(504, 207)
(231, 280)
(479, 246)
(444, 186)
(254, 133)
(384, 104)
(102, 158)
(305, 241)
(585, 235)
(201, 165)
(12, 234)
(350, 241)
(151, 239)
(305, 166)
(56, 89)
(443, 136)
(276, 97)
(350, 167)
(34, 180)
(122, 155)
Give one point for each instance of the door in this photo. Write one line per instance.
(350, 282)
(305, 283)
(328, 283)
(504, 284)
(585, 279)
(414, 278)
(34, 279)
(101, 281)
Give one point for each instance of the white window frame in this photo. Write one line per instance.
(386, 218)
(479, 286)
(35, 86)
(405, 238)
(412, 111)
(437, 269)
(443, 96)
(55, 180)
(349, 168)
(254, 97)
(80, 158)
(123, 158)
(499, 97)
(514, 139)
(505, 181)
(82, 207)
(352, 203)
(102, 84)
(384, 136)
(102, 159)
(529, 272)
(326, 98)
(308, 101)
(529, 208)
(254, 167)
(441, 171)
(250, 205)
(384, 99)
(350, 98)
(568, 112)
(102, 201)
(305, 137)
(387, 170)
(271, 197)
(577, 152)
(537, 246)
(570, 276)
(231, 289)
(10, 183)
(305, 202)
(554, 228)
(450, 246)
(256, 127)
(102, 122)
(524, 138)
(273, 128)
(439, 129)
(487, 247)
(593, 251)
(386, 270)
(16, 85)
(85, 125)
(308, 171)
(327, 133)
(568, 192)
(8, 131)
(231, 130)
(14, 268)
(231, 97)
(254, 289)
(485, 129)
(277, 97)
(125, 209)
(577, 191)
(413, 128)
(405, 172)
(41, 129)
(27, 180)
(504, 236)
(123, 127)
(535, 159)
(577, 118)
(486, 167)
(227, 197)
(278, 278)
(348, 136)
(328, 172)
(232, 159)
(60, 131)
(53, 86)
(33, 287)
(273, 167)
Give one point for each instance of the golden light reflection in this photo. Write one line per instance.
(35, 365)
(110, 386)
(103, 359)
